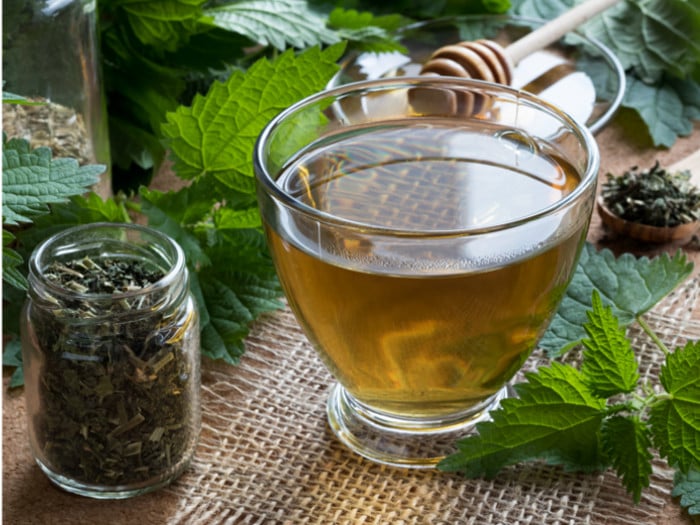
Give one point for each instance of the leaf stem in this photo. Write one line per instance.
(639, 403)
(628, 406)
(653, 335)
(657, 398)
(132, 206)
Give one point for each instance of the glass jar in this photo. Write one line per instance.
(50, 54)
(110, 344)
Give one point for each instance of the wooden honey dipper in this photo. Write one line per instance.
(488, 60)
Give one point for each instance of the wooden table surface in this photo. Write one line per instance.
(29, 498)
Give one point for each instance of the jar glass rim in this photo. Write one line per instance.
(43, 253)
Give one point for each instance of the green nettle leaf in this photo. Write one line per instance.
(296, 134)
(31, 180)
(163, 23)
(689, 92)
(93, 208)
(222, 337)
(170, 222)
(609, 365)
(216, 218)
(352, 19)
(279, 23)
(231, 305)
(581, 421)
(675, 421)
(626, 441)
(251, 259)
(496, 6)
(12, 356)
(79, 210)
(661, 108)
(658, 44)
(228, 219)
(542, 9)
(599, 71)
(424, 9)
(13, 300)
(366, 31)
(216, 135)
(232, 278)
(11, 261)
(239, 285)
(483, 28)
(630, 285)
(138, 146)
(651, 37)
(193, 203)
(555, 417)
(687, 487)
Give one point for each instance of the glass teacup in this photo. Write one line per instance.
(424, 230)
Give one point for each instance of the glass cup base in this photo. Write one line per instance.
(402, 442)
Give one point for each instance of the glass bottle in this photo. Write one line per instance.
(110, 345)
(50, 55)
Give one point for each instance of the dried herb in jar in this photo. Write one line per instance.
(49, 124)
(655, 197)
(115, 391)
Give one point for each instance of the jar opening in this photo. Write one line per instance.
(108, 269)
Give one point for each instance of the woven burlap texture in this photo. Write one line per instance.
(266, 454)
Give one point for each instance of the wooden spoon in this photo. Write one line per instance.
(488, 60)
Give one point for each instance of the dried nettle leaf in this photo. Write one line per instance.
(654, 196)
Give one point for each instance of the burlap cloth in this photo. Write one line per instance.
(266, 454)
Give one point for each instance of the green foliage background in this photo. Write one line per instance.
(158, 54)
(164, 61)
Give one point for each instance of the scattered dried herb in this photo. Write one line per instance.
(115, 388)
(655, 196)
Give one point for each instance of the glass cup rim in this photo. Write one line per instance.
(172, 274)
(266, 181)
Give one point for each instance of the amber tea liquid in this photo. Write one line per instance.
(407, 327)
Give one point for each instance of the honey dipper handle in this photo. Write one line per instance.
(555, 29)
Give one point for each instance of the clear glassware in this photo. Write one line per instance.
(110, 345)
(424, 230)
(50, 55)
